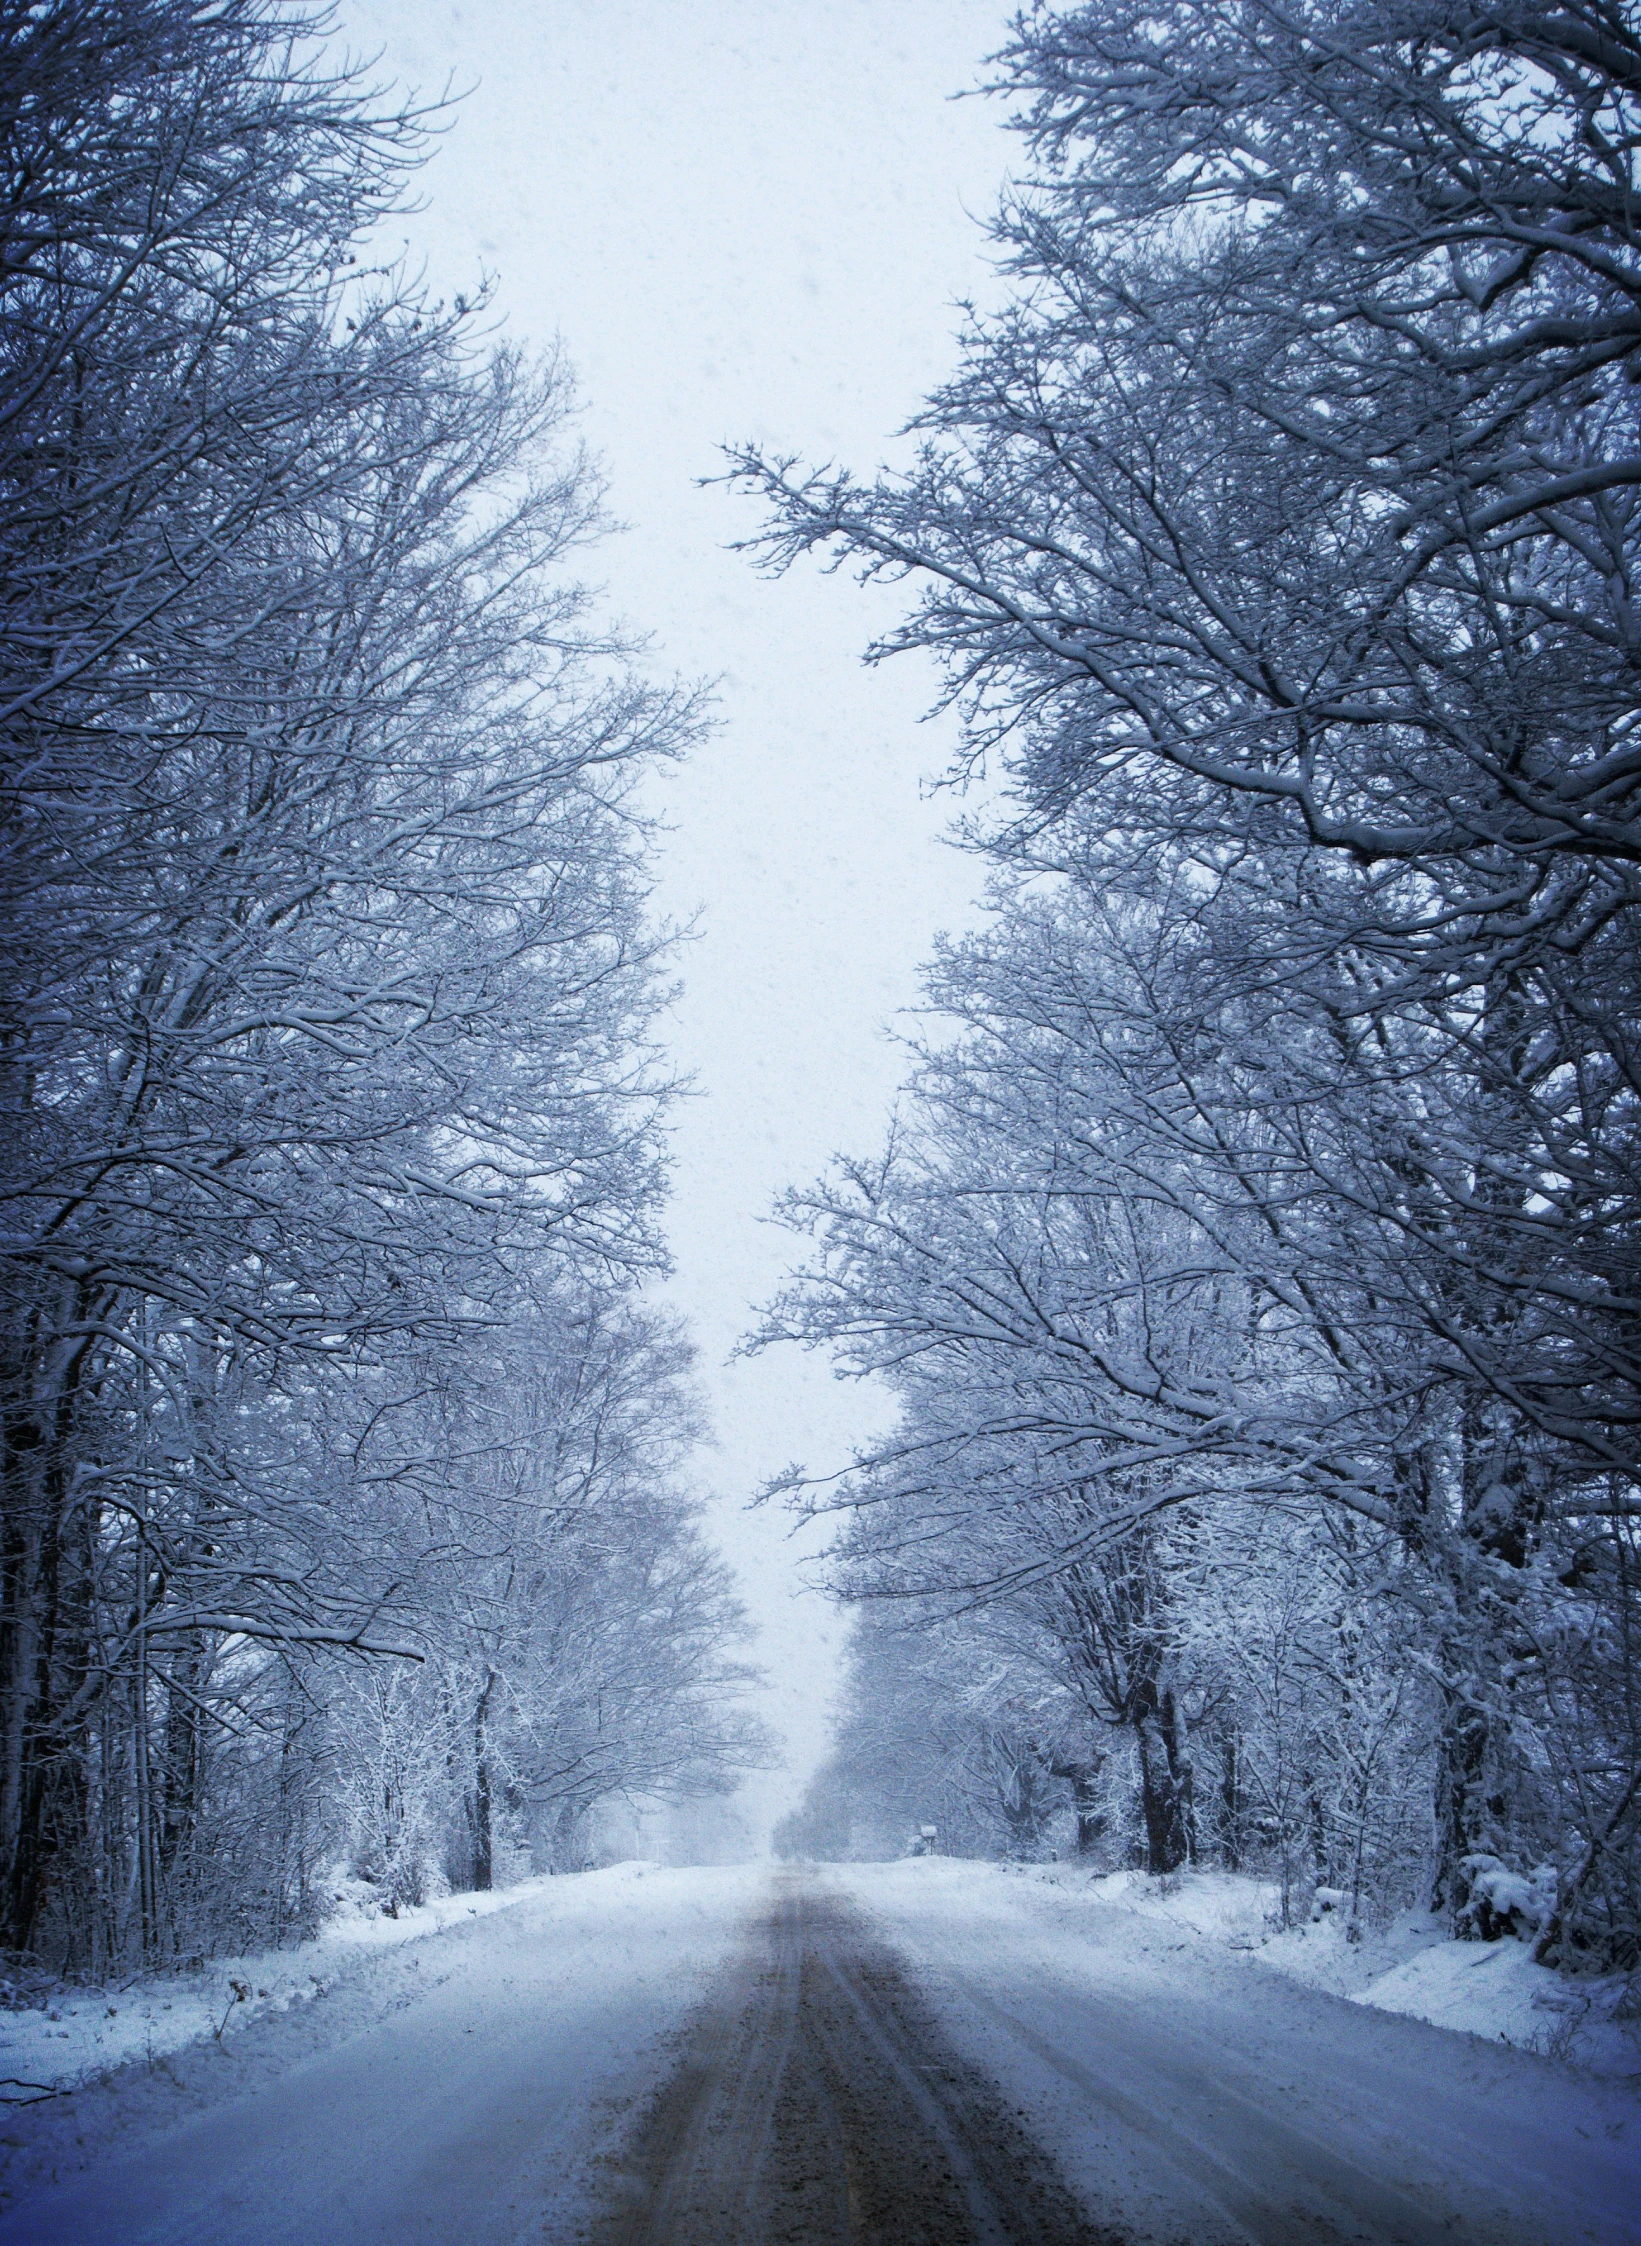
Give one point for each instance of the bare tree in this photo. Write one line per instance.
(1277, 534)
(1133, 1268)
(326, 1038)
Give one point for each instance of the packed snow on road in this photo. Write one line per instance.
(927, 2048)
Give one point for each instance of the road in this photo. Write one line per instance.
(885, 2056)
(818, 2102)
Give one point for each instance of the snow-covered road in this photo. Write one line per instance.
(1191, 2093)
(499, 2082)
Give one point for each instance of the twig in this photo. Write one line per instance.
(242, 1990)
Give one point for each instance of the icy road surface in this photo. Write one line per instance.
(925, 2054)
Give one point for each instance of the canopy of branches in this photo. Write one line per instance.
(1268, 1201)
(329, 1093)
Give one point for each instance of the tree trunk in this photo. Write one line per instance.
(1018, 1773)
(1165, 1784)
(1084, 1781)
(1463, 1824)
(568, 1843)
(30, 1834)
(180, 1767)
(484, 1845)
(1233, 1808)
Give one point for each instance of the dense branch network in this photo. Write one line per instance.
(1255, 1261)
(331, 1098)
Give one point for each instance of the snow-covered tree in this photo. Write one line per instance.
(1178, 1419)
(325, 1047)
(1277, 535)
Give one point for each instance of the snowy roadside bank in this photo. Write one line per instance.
(81, 2033)
(1413, 1966)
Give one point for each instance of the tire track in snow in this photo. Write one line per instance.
(818, 2104)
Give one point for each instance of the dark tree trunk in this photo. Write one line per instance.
(180, 1761)
(1165, 1782)
(484, 1839)
(1084, 1781)
(291, 1874)
(1462, 1821)
(43, 1640)
(1232, 1805)
(24, 1564)
(31, 1834)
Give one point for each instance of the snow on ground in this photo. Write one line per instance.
(80, 2033)
(455, 2086)
(1196, 2094)
(1488, 1989)
(1412, 1966)
(465, 2085)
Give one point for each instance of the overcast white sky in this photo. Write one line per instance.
(745, 218)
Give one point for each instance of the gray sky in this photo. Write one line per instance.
(745, 218)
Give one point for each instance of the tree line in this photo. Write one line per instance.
(342, 1503)
(1254, 1255)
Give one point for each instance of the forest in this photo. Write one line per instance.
(345, 1522)
(1252, 1262)
(1253, 1255)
